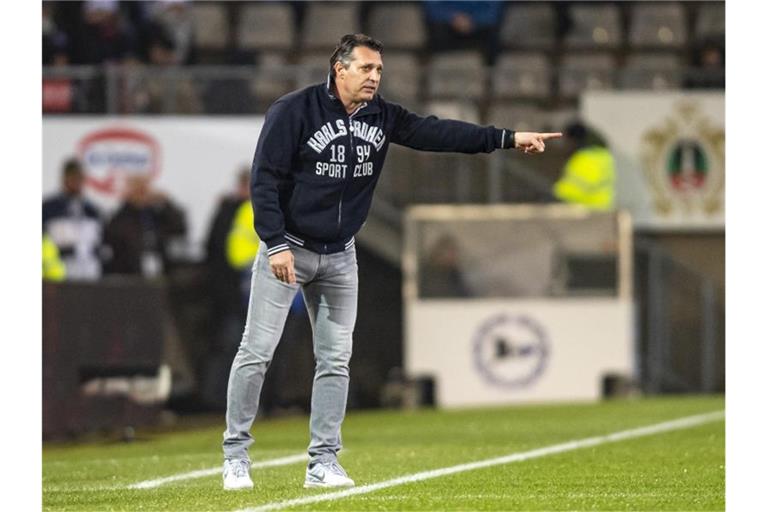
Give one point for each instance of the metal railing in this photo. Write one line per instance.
(134, 88)
(681, 324)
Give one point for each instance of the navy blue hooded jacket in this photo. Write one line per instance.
(316, 166)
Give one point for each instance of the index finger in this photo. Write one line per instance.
(546, 136)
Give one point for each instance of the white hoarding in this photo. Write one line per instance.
(492, 352)
(194, 160)
(670, 155)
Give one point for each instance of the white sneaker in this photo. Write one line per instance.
(327, 474)
(236, 475)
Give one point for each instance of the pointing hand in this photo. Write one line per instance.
(533, 142)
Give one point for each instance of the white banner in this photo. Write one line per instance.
(492, 352)
(194, 160)
(670, 155)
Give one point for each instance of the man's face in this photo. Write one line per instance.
(137, 190)
(361, 80)
(73, 182)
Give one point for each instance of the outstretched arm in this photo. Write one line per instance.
(433, 134)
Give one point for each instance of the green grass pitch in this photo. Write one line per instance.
(678, 470)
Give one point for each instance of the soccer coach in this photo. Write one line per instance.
(317, 161)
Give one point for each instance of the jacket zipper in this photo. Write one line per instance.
(349, 167)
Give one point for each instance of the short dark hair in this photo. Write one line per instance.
(349, 42)
(72, 166)
(577, 131)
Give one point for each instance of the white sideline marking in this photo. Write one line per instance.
(151, 484)
(682, 423)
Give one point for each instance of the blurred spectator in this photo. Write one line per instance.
(53, 268)
(464, 25)
(149, 90)
(242, 241)
(589, 176)
(103, 36)
(60, 93)
(225, 277)
(74, 224)
(173, 18)
(708, 70)
(142, 232)
(228, 308)
(440, 275)
(55, 40)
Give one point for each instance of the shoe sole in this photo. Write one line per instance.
(238, 488)
(315, 485)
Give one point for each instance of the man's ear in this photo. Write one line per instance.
(339, 68)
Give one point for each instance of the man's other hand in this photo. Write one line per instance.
(533, 142)
(282, 266)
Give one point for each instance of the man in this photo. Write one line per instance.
(74, 225)
(589, 175)
(317, 161)
(140, 234)
(225, 286)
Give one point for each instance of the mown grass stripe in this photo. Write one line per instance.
(152, 484)
(667, 426)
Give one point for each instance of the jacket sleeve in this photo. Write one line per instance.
(270, 172)
(433, 134)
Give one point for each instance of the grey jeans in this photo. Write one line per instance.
(329, 285)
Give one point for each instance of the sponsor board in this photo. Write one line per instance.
(193, 160)
(669, 150)
(506, 351)
(111, 154)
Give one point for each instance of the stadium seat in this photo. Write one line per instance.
(267, 26)
(594, 25)
(314, 69)
(273, 79)
(529, 25)
(557, 120)
(515, 117)
(522, 75)
(459, 110)
(401, 81)
(710, 22)
(399, 26)
(229, 95)
(325, 23)
(448, 178)
(580, 72)
(456, 75)
(211, 25)
(395, 181)
(658, 25)
(651, 71)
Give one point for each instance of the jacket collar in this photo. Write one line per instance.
(334, 103)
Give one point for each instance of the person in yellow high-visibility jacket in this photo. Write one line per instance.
(589, 175)
(53, 268)
(242, 240)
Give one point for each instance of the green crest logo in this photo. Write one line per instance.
(684, 162)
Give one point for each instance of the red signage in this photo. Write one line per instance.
(57, 95)
(110, 155)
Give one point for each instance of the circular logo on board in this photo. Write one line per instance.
(510, 351)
